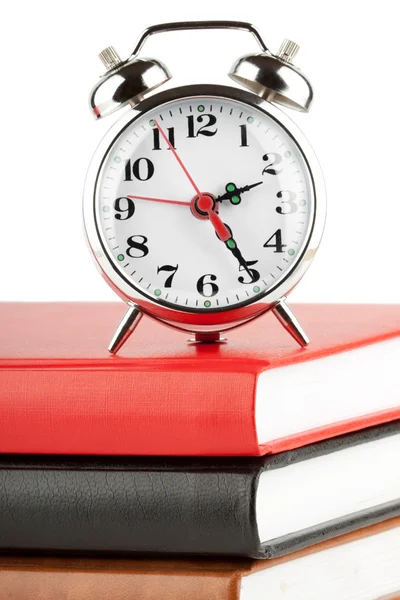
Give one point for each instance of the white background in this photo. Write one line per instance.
(47, 135)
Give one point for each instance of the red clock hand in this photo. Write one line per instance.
(174, 152)
(160, 200)
(206, 204)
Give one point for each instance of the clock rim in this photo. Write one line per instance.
(223, 318)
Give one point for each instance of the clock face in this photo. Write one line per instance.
(204, 204)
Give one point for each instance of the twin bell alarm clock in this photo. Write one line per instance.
(204, 205)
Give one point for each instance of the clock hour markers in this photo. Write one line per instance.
(229, 167)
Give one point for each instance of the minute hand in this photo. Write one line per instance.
(225, 235)
(237, 191)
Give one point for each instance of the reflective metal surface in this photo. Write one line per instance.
(226, 319)
(127, 84)
(274, 79)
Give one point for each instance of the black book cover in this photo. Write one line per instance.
(159, 504)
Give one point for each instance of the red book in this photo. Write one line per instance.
(62, 393)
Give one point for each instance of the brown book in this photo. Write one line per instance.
(363, 564)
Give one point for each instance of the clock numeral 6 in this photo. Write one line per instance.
(212, 288)
(272, 161)
(203, 130)
(129, 211)
(168, 269)
(278, 245)
(140, 246)
(142, 169)
(288, 201)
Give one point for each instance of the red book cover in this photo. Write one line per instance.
(62, 393)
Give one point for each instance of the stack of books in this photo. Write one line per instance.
(170, 470)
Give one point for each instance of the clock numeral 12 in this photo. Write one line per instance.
(142, 169)
(203, 130)
(278, 242)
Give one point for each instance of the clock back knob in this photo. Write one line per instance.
(274, 77)
(125, 82)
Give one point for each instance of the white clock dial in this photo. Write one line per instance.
(149, 216)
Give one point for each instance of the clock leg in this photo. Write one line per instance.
(125, 329)
(286, 317)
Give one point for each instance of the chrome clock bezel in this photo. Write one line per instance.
(226, 317)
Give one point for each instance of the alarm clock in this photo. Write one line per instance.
(204, 205)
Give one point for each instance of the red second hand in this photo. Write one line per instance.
(160, 200)
(174, 152)
(204, 202)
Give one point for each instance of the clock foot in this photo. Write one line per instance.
(286, 317)
(208, 338)
(125, 329)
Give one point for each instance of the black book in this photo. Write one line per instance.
(259, 507)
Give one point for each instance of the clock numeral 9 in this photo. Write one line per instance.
(140, 246)
(203, 130)
(212, 288)
(142, 169)
(129, 211)
(278, 245)
(168, 269)
(288, 201)
(272, 161)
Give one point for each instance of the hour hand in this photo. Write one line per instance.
(233, 193)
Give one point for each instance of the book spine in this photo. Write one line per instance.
(91, 579)
(157, 511)
(128, 412)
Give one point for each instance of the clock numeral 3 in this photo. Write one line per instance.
(288, 201)
(157, 142)
(203, 130)
(140, 246)
(212, 288)
(142, 169)
(129, 211)
(168, 269)
(278, 245)
(255, 275)
(272, 161)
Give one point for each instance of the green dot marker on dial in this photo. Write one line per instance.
(231, 187)
(231, 243)
(157, 292)
(290, 251)
(117, 159)
(207, 304)
(200, 108)
(120, 257)
(250, 119)
(235, 200)
(256, 289)
(302, 203)
(106, 208)
(151, 123)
